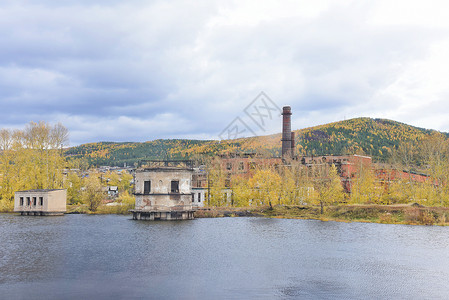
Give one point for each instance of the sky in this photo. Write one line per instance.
(140, 70)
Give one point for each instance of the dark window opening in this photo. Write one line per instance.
(229, 166)
(193, 197)
(241, 166)
(41, 200)
(28, 201)
(175, 186)
(34, 201)
(21, 201)
(146, 187)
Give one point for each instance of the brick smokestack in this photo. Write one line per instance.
(293, 144)
(286, 131)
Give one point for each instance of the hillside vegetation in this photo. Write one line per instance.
(374, 137)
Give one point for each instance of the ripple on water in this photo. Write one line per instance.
(85, 256)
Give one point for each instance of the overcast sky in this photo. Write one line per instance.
(140, 70)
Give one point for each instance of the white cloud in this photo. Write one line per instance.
(111, 69)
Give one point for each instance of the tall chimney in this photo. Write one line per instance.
(286, 131)
(293, 146)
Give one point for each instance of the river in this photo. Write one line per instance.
(114, 257)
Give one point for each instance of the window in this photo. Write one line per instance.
(229, 166)
(241, 166)
(34, 201)
(174, 186)
(28, 201)
(199, 197)
(41, 201)
(193, 197)
(21, 201)
(146, 187)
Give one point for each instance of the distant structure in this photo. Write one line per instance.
(288, 137)
(199, 186)
(163, 191)
(348, 166)
(41, 202)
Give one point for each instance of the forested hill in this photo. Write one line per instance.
(374, 137)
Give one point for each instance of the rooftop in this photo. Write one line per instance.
(40, 190)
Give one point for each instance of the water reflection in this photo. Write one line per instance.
(82, 256)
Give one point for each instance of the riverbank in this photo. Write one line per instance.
(412, 214)
(388, 214)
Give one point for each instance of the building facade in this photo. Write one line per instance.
(41, 202)
(164, 193)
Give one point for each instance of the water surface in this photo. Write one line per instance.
(104, 257)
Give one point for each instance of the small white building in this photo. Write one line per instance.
(113, 191)
(41, 202)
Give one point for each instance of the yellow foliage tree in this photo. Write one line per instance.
(364, 188)
(92, 194)
(329, 188)
(31, 159)
(267, 187)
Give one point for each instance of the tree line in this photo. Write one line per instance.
(33, 158)
(293, 183)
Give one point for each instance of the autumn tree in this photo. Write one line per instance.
(266, 183)
(242, 194)
(74, 185)
(216, 184)
(329, 188)
(364, 188)
(31, 159)
(92, 193)
(435, 151)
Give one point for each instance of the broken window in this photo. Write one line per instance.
(28, 201)
(175, 186)
(21, 201)
(34, 201)
(146, 187)
(193, 197)
(229, 166)
(41, 201)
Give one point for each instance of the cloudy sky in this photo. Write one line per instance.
(139, 70)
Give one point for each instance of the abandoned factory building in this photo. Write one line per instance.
(163, 191)
(41, 202)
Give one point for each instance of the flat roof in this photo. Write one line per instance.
(40, 190)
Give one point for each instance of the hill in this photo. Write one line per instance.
(374, 137)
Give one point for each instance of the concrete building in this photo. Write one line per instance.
(43, 202)
(163, 191)
(199, 186)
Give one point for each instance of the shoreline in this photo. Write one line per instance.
(403, 214)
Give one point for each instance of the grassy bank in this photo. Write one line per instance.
(101, 210)
(388, 214)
